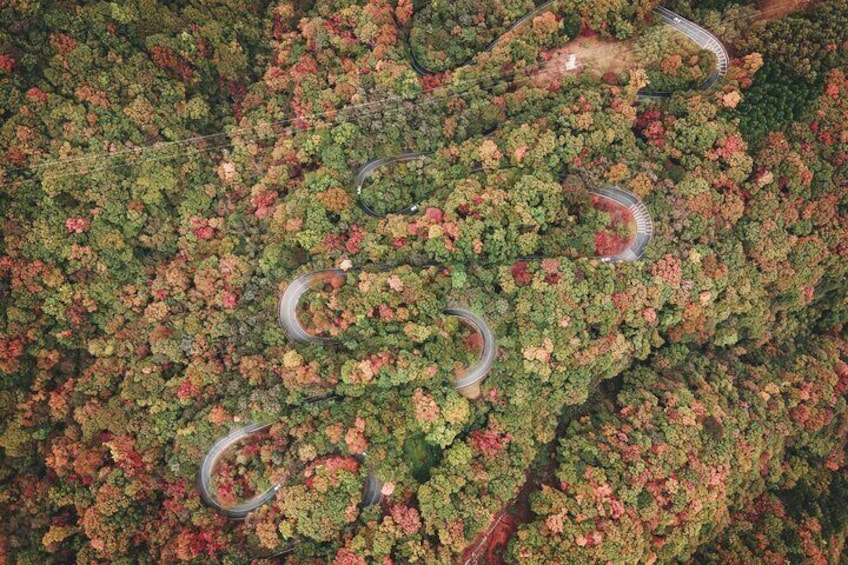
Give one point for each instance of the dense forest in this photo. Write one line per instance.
(663, 374)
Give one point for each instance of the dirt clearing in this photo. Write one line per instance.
(593, 54)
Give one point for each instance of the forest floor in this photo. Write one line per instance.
(600, 56)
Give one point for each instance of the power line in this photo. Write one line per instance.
(530, 70)
(375, 104)
(285, 121)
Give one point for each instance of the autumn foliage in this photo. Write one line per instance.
(168, 169)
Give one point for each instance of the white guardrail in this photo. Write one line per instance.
(371, 488)
(644, 223)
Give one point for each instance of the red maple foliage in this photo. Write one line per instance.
(489, 442)
(77, 225)
(621, 228)
(170, 61)
(347, 557)
(354, 240)
(332, 464)
(6, 63)
(36, 93)
(520, 274)
(62, 42)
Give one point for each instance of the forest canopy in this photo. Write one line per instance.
(323, 218)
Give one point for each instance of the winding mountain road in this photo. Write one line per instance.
(469, 383)
(294, 329)
(204, 476)
(644, 223)
(474, 375)
(371, 488)
(423, 71)
(365, 171)
(644, 233)
(703, 39)
(287, 310)
(697, 34)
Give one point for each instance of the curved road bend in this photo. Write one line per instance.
(697, 34)
(204, 478)
(644, 224)
(289, 300)
(423, 71)
(703, 39)
(293, 328)
(371, 488)
(469, 382)
(365, 171)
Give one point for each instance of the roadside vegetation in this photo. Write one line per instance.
(445, 35)
(671, 61)
(166, 171)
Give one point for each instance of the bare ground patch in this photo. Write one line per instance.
(593, 54)
(599, 56)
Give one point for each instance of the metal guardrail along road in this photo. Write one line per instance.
(204, 476)
(701, 37)
(644, 223)
(470, 380)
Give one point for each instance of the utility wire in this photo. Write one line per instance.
(375, 105)
(369, 112)
(290, 120)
